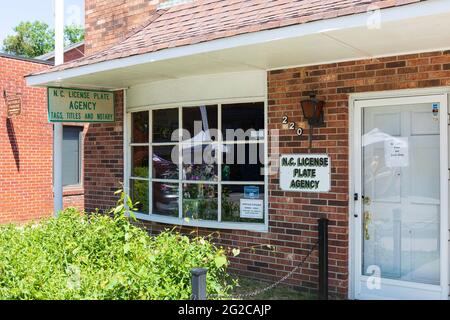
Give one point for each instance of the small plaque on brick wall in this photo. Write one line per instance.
(305, 172)
(13, 105)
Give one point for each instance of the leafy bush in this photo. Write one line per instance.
(76, 256)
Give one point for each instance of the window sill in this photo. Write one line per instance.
(256, 227)
(73, 191)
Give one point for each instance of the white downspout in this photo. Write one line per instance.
(58, 127)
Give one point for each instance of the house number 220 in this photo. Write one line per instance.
(292, 126)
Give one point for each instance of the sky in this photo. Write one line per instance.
(15, 11)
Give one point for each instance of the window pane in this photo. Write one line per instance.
(139, 195)
(139, 133)
(243, 121)
(71, 155)
(243, 203)
(165, 162)
(200, 201)
(243, 162)
(200, 162)
(139, 162)
(165, 199)
(200, 123)
(165, 122)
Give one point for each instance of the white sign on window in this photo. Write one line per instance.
(305, 172)
(396, 152)
(252, 208)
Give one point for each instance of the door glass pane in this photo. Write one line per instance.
(401, 188)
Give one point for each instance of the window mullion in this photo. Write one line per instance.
(180, 162)
(150, 159)
(219, 163)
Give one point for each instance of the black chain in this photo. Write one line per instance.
(271, 286)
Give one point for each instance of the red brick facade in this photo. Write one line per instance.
(25, 146)
(72, 54)
(112, 20)
(293, 216)
(103, 161)
(26, 152)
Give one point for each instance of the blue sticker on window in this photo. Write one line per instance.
(251, 192)
(435, 111)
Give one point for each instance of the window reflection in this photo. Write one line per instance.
(235, 196)
(200, 124)
(139, 195)
(243, 162)
(401, 188)
(200, 162)
(165, 123)
(165, 162)
(165, 199)
(200, 201)
(139, 134)
(139, 161)
(243, 117)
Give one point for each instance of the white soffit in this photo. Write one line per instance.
(214, 87)
(412, 28)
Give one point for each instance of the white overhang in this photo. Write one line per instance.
(419, 27)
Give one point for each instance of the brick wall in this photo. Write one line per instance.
(103, 161)
(293, 216)
(26, 152)
(72, 54)
(112, 20)
(25, 147)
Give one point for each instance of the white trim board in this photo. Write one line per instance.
(213, 87)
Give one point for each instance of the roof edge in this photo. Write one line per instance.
(419, 9)
(32, 60)
(51, 54)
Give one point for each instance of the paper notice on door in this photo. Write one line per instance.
(396, 152)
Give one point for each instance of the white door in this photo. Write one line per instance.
(401, 195)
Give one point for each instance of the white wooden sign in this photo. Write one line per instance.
(305, 172)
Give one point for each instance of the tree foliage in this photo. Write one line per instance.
(32, 39)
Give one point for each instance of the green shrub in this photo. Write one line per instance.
(76, 256)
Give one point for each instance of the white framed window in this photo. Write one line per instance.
(200, 164)
(72, 156)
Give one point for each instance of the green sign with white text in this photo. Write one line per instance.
(76, 105)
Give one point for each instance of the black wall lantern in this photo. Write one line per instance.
(313, 112)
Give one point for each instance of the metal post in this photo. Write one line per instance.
(199, 283)
(323, 259)
(58, 127)
(57, 168)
